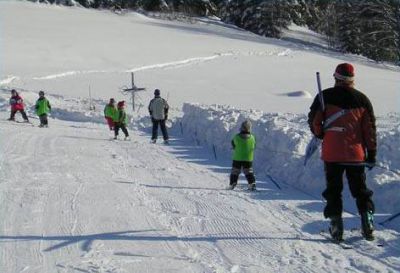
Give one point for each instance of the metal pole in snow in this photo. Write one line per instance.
(133, 91)
(90, 99)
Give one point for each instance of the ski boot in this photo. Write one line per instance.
(166, 142)
(367, 225)
(251, 187)
(232, 186)
(336, 228)
(153, 141)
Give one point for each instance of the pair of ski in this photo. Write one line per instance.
(165, 142)
(346, 245)
(249, 189)
(24, 122)
(120, 139)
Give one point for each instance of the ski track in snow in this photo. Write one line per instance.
(8, 80)
(74, 201)
(175, 64)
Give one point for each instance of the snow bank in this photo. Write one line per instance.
(281, 142)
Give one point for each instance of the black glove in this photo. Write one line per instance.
(370, 161)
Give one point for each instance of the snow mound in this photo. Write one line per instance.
(300, 94)
(281, 143)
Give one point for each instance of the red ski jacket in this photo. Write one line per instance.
(349, 136)
(16, 103)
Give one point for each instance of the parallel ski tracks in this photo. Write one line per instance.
(159, 211)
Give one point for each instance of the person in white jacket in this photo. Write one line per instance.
(158, 109)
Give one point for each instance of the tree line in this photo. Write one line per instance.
(366, 27)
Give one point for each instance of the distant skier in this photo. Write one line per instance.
(121, 120)
(349, 144)
(42, 107)
(109, 113)
(244, 144)
(17, 105)
(158, 109)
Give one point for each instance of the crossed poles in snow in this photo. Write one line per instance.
(133, 90)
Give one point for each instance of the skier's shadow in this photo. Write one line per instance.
(86, 241)
(198, 154)
(179, 188)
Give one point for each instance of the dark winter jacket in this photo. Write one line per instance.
(348, 137)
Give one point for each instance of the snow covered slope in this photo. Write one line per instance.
(71, 200)
(64, 50)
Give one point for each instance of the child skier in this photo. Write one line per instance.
(42, 109)
(243, 145)
(121, 120)
(109, 113)
(17, 105)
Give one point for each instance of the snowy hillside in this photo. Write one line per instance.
(71, 200)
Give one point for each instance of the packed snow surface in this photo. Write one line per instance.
(73, 200)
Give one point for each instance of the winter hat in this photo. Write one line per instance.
(112, 100)
(41, 93)
(344, 72)
(14, 91)
(121, 104)
(157, 92)
(246, 126)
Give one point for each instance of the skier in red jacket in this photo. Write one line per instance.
(349, 145)
(17, 105)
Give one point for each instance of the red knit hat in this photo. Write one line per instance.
(121, 104)
(344, 72)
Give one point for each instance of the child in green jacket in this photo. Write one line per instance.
(109, 113)
(121, 120)
(42, 109)
(243, 145)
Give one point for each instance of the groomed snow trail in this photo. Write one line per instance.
(72, 200)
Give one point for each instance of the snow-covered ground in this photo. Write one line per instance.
(71, 200)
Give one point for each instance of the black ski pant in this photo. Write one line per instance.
(334, 186)
(157, 122)
(121, 126)
(23, 113)
(43, 119)
(237, 167)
